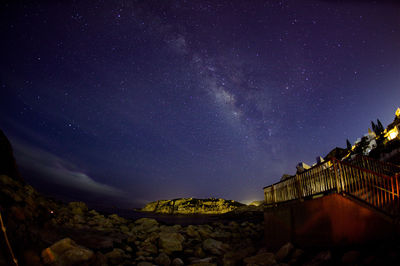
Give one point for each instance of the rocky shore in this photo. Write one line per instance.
(43, 231)
(46, 232)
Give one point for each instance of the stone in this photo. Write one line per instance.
(213, 246)
(145, 263)
(149, 247)
(78, 207)
(18, 213)
(146, 225)
(116, 256)
(162, 260)
(177, 262)
(350, 257)
(296, 255)
(284, 251)
(99, 259)
(198, 252)
(117, 219)
(171, 242)
(264, 258)
(321, 258)
(66, 252)
(8, 181)
(30, 258)
(232, 258)
(205, 232)
(203, 262)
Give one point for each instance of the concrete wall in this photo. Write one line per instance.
(331, 220)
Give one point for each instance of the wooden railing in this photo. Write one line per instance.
(376, 189)
(375, 165)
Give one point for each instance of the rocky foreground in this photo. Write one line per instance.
(45, 232)
(192, 206)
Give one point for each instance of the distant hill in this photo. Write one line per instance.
(192, 206)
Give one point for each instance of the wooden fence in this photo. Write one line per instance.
(373, 188)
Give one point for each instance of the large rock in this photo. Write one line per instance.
(171, 242)
(7, 161)
(214, 246)
(78, 207)
(66, 252)
(146, 225)
(177, 262)
(116, 256)
(264, 258)
(321, 258)
(232, 258)
(192, 232)
(284, 251)
(350, 257)
(192, 206)
(162, 260)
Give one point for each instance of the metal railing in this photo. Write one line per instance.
(376, 189)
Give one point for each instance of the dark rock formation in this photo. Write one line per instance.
(8, 165)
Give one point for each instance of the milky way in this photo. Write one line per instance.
(125, 102)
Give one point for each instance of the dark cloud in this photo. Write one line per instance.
(53, 169)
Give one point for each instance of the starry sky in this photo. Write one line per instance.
(126, 102)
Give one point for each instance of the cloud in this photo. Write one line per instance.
(57, 170)
(177, 43)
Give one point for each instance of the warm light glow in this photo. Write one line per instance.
(398, 112)
(392, 134)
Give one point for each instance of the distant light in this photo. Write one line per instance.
(392, 134)
(51, 212)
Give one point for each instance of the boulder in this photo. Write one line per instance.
(115, 219)
(116, 256)
(350, 257)
(191, 231)
(66, 252)
(214, 246)
(146, 225)
(203, 262)
(284, 251)
(149, 248)
(321, 258)
(78, 207)
(232, 258)
(99, 259)
(177, 262)
(162, 260)
(296, 255)
(171, 242)
(264, 258)
(145, 263)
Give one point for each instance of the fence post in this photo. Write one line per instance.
(298, 187)
(335, 169)
(273, 195)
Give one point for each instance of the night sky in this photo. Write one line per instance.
(126, 102)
